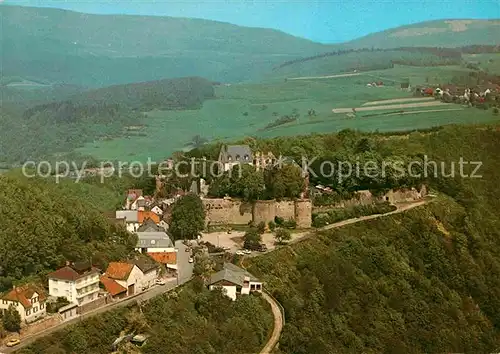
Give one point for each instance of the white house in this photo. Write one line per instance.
(234, 281)
(150, 272)
(127, 275)
(28, 300)
(131, 219)
(157, 210)
(77, 282)
(154, 242)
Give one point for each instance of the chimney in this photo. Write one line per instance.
(68, 263)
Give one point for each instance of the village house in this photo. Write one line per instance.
(168, 259)
(28, 300)
(150, 226)
(234, 281)
(113, 288)
(129, 278)
(77, 282)
(154, 242)
(144, 215)
(131, 218)
(150, 272)
(157, 210)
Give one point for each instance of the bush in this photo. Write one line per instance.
(495, 110)
(278, 221)
(261, 227)
(290, 224)
(336, 215)
(272, 225)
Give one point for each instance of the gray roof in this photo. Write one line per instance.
(129, 215)
(144, 265)
(231, 273)
(154, 240)
(234, 152)
(149, 226)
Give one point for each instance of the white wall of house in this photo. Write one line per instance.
(157, 210)
(132, 226)
(170, 249)
(80, 292)
(28, 315)
(135, 278)
(228, 290)
(253, 286)
(148, 279)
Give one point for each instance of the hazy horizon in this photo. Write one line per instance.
(316, 20)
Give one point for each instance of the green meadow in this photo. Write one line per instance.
(242, 110)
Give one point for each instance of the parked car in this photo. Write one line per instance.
(188, 249)
(191, 259)
(247, 252)
(160, 282)
(262, 247)
(12, 342)
(226, 248)
(240, 253)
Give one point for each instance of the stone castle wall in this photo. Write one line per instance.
(365, 197)
(227, 211)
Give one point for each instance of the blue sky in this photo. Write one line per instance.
(328, 21)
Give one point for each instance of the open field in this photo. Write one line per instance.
(489, 62)
(392, 106)
(246, 109)
(399, 100)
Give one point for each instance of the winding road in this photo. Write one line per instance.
(278, 324)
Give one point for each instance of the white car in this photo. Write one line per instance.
(240, 253)
(160, 282)
(191, 260)
(247, 252)
(226, 248)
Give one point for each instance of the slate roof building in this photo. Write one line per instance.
(157, 241)
(234, 281)
(232, 155)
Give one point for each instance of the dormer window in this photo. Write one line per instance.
(229, 158)
(246, 157)
(237, 157)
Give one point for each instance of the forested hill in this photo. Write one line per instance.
(439, 33)
(44, 224)
(60, 127)
(425, 281)
(100, 50)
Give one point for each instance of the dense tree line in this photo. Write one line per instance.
(422, 281)
(442, 53)
(191, 320)
(44, 224)
(59, 127)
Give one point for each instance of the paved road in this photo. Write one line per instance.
(278, 325)
(185, 274)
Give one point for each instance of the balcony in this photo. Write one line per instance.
(83, 283)
(80, 294)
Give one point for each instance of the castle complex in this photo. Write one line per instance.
(227, 211)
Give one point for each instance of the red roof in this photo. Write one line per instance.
(23, 294)
(164, 257)
(119, 270)
(112, 286)
(68, 273)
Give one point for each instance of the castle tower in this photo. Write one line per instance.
(159, 184)
(305, 192)
(263, 211)
(303, 213)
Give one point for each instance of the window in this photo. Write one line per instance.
(35, 309)
(237, 157)
(246, 157)
(5, 302)
(42, 306)
(28, 312)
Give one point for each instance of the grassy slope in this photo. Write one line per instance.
(223, 118)
(432, 34)
(99, 50)
(408, 283)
